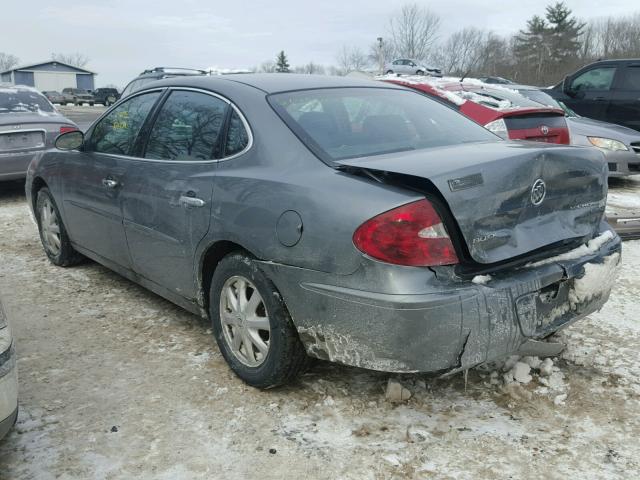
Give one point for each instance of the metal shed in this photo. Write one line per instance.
(51, 75)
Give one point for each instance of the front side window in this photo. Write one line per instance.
(595, 79)
(187, 128)
(117, 132)
(346, 123)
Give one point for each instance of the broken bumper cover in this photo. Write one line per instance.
(455, 326)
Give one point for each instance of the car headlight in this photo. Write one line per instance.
(608, 144)
(498, 127)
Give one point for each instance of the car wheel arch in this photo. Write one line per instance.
(37, 185)
(209, 260)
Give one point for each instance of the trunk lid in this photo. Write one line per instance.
(509, 198)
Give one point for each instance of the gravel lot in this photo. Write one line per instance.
(117, 383)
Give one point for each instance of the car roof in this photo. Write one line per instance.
(272, 82)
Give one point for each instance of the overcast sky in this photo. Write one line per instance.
(123, 37)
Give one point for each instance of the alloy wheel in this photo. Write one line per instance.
(50, 227)
(245, 321)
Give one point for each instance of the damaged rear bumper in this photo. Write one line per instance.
(451, 325)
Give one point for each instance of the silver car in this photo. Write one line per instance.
(29, 124)
(407, 66)
(8, 377)
(620, 145)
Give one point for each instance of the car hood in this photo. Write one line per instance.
(596, 128)
(489, 189)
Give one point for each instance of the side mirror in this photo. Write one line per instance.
(566, 87)
(70, 140)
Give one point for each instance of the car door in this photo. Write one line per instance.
(625, 103)
(93, 180)
(167, 199)
(591, 92)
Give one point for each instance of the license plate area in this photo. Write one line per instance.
(14, 141)
(546, 309)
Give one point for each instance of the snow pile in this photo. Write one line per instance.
(481, 279)
(451, 89)
(540, 377)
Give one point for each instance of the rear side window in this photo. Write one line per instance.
(117, 132)
(187, 127)
(346, 123)
(631, 78)
(237, 136)
(595, 79)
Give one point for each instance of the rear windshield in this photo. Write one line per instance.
(23, 101)
(342, 123)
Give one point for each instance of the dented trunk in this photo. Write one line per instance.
(509, 199)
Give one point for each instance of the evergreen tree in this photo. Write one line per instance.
(565, 31)
(282, 64)
(532, 48)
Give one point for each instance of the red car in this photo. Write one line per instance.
(505, 112)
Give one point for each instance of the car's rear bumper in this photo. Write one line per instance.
(14, 165)
(455, 324)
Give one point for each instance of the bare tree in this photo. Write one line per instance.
(267, 67)
(413, 31)
(463, 51)
(8, 61)
(351, 59)
(75, 59)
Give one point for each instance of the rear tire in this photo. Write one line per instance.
(53, 234)
(255, 334)
(389, 72)
(420, 72)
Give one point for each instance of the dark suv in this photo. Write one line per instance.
(106, 96)
(608, 90)
(158, 73)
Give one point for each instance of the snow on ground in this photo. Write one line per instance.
(116, 383)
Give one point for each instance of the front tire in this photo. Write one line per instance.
(420, 72)
(53, 234)
(252, 326)
(389, 72)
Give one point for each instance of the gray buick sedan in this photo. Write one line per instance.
(343, 219)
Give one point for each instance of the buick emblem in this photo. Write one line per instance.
(538, 192)
(544, 129)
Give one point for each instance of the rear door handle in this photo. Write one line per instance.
(187, 201)
(600, 99)
(109, 182)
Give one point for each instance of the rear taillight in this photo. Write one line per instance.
(67, 129)
(412, 235)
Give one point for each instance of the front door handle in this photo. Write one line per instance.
(109, 182)
(600, 99)
(186, 201)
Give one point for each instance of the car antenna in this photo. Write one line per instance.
(464, 76)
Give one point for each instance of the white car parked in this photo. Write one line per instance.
(407, 66)
(8, 377)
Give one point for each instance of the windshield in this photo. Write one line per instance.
(13, 100)
(343, 123)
